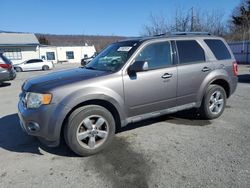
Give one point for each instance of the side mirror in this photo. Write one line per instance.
(138, 66)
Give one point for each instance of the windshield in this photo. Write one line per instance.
(113, 57)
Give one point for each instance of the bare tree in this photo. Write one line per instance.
(158, 25)
(187, 21)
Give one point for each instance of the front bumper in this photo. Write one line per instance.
(44, 123)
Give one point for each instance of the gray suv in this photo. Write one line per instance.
(154, 76)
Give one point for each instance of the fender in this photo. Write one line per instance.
(217, 74)
(81, 96)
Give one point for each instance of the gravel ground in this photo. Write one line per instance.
(177, 150)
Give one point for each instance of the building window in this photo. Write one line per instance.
(70, 55)
(12, 54)
(50, 55)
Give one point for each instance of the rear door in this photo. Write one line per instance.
(155, 89)
(192, 70)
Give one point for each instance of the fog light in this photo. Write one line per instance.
(33, 127)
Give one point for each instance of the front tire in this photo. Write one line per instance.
(18, 69)
(89, 130)
(213, 103)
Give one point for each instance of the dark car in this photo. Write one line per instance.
(7, 71)
(86, 60)
(150, 77)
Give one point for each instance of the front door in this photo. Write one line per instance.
(155, 89)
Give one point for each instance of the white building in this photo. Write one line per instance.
(71, 54)
(19, 47)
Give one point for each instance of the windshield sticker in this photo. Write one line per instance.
(124, 49)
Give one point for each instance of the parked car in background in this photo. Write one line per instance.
(7, 71)
(86, 60)
(139, 79)
(34, 64)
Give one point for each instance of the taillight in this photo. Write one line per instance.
(235, 68)
(6, 66)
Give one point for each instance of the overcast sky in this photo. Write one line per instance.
(109, 17)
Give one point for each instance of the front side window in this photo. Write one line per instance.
(113, 57)
(218, 48)
(158, 55)
(190, 52)
(70, 55)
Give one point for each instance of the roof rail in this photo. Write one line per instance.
(190, 33)
(182, 33)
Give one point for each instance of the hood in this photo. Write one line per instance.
(16, 64)
(60, 78)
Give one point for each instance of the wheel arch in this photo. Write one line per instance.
(100, 102)
(221, 80)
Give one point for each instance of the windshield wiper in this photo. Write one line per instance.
(92, 68)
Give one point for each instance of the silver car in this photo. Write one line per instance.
(7, 71)
(154, 76)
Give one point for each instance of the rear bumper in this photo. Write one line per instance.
(234, 82)
(7, 75)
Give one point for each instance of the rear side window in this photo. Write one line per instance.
(218, 48)
(190, 51)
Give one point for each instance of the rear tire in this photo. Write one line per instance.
(45, 67)
(89, 130)
(213, 103)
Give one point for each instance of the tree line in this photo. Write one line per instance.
(235, 28)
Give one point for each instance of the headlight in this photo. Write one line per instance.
(35, 100)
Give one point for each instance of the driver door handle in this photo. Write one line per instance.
(167, 75)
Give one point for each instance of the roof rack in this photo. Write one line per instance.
(190, 33)
(182, 33)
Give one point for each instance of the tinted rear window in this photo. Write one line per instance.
(190, 51)
(218, 48)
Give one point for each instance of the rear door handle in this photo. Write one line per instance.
(167, 75)
(205, 69)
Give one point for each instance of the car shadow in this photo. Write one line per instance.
(5, 84)
(244, 78)
(187, 118)
(12, 138)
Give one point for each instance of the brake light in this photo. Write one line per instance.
(235, 68)
(6, 66)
